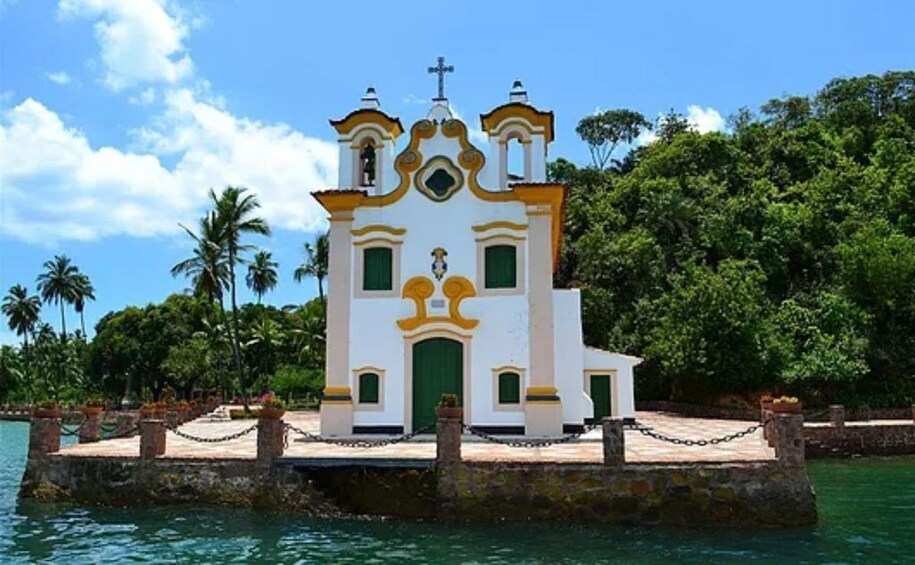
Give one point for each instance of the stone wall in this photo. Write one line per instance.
(735, 495)
(688, 495)
(860, 414)
(845, 441)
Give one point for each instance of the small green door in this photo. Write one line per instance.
(438, 368)
(600, 394)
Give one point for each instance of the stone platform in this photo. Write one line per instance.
(588, 449)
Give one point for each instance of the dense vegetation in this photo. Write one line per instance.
(778, 256)
(189, 343)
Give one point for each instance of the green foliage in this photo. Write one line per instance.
(778, 255)
(290, 381)
(605, 131)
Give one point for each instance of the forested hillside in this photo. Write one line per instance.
(779, 256)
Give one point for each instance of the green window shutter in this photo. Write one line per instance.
(376, 268)
(500, 265)
(509, 388)
(368, 388)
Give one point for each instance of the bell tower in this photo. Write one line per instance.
(366, 140)
(517, 123)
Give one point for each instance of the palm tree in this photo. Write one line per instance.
(22, 312)
(234, 216)
(315, 264)
(58, 284)
(208, 267)
(261, 276)
(84, 291)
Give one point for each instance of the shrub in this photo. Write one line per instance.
(291, 381)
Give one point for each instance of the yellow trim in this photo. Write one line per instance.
(420, 182)
(362, 242)
(508, 368)
(367, 369)
(363, 116)
(409, 161)
(473, 160)
(501, 236)
(339, 200)
(419, 289)
(542, 390)
(552, 194)
(557, 402)
(336, 402)
(534, 117)
(499, 225)
(337, 390)
(378, 228)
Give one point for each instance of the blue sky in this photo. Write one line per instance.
(116, 116)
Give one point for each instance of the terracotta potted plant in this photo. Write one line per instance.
(148, 411)
(46, 409)
(765, 402)
(93, 407)
(161, 409)
(787, 405)
(449, 407)
(272, 409)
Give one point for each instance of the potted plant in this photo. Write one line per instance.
(93, 407)
(46, 409)
(161, 409)
(148, 410)
(765, 402)
(787, 405)
(272, 409)
(449, 407)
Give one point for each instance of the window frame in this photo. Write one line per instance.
(516, 241)
(497, 372)
(357, 389)
(359, 267)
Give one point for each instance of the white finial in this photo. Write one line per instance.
(517, 93)
(370, 100)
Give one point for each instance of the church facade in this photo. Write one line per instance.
(441, 280)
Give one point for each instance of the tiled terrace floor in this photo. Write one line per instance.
(639, 448)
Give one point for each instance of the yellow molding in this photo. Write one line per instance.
(534, 117)
(500, 224)
(554, 195)
(354, 119)
(368, 369)
(506, 368)
(336, 402)
(363, 242)
(339, 200)
(500, 236)
(473, 160)
(419, 289)
(378, 228)
(337, 390)
(541, 390)
(409, 161)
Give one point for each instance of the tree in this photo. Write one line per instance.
(234, 217)
(22, 312)
(59, 284)
(316, 263)
(208, 266)
(605, 131)
(261, 277)
(83, 291)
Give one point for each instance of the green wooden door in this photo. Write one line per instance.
(438, 368)
(600, 394)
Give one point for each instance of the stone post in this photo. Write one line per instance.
(91, 428)
(171, 418)
(44, 439)
(789, 440)
(448, 436)
(152, 439)
(837, 415)
(271, 435)
(614, 442)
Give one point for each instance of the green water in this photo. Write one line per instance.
(867, 513)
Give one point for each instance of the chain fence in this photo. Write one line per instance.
(356, 443)
(218, 439)
(533, 442)
(650, 432)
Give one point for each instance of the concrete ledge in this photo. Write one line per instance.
(859, 440)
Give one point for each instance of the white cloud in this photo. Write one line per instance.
(704, 120)
(60, 77)
(141, 40)
(145, 98)
(413, 99)
(56, 186)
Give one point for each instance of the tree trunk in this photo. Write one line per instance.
(82, 324)
(63, 321)
(236, 341)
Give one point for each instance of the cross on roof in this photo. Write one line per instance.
(440, 70)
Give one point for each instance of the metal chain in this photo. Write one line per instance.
(128, 432)
(75, 431)
(648, 431)
(221, 439)
(358, 443)
(531, 443)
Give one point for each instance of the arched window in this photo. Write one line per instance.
(515, 171)
(369, 385)
(367, 165)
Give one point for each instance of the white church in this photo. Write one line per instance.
(441, 280)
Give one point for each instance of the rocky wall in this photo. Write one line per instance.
(847, 441)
